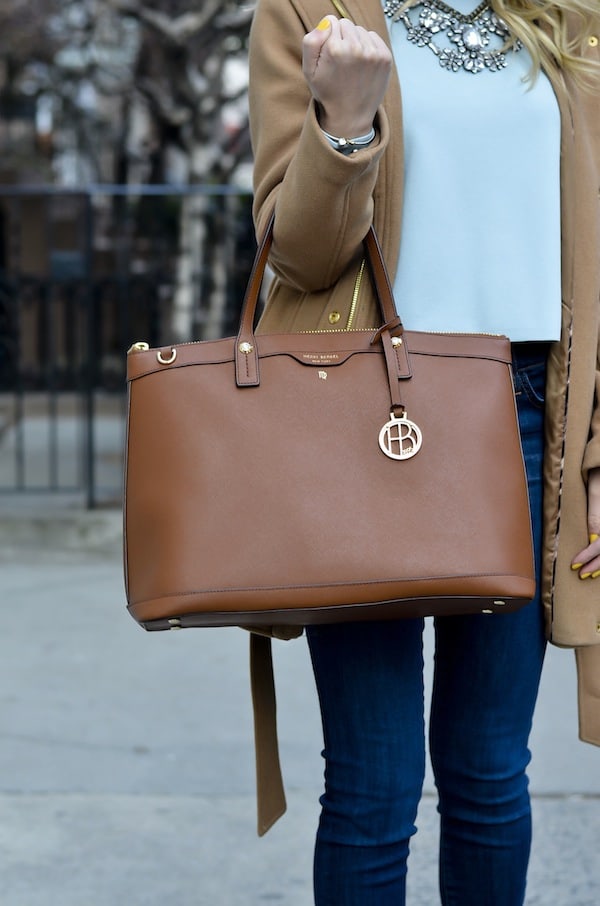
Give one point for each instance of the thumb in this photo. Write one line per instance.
(314, 42)
(594, 503)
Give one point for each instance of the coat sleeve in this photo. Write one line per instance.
(323, 201)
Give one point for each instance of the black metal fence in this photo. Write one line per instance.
(83, 274)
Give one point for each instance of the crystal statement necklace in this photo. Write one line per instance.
(467, 37)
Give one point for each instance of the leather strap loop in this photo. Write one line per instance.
(246, 353)
(390, 326)
(393, 369)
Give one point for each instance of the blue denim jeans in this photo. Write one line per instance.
(370, 683)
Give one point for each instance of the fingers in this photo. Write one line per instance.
(354, 40)
(347, 69)
(587, 561)
(314, 41)
(594, 501)
(345, 42)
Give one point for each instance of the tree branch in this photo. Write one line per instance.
(176, 31)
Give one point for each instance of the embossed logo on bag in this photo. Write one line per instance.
(320, 358)
(400, 438)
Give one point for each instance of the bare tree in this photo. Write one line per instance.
(23, 39)
(182, 74)
(98, 59)
(65, 65)
(139, 91)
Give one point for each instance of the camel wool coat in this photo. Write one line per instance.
(324, 203)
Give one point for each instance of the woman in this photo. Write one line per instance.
(475, 135)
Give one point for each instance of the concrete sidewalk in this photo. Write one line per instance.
(126, 765)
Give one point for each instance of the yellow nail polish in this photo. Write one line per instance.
(323, 25)
(585, 575)
(576, 565)
(593, 537)
(596, 574)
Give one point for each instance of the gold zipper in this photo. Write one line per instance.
(341, 9)
(440, 333)
(144, 347)
(462, 333)
(355, 294)
(339, 330)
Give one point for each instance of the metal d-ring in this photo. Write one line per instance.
(168, 361)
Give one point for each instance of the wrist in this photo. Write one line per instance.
(350, 144)
(340, 124)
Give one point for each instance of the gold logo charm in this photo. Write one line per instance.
(323, 375)
(400, 438)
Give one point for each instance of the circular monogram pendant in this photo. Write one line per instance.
(400, 438)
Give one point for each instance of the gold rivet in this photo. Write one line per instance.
(500, 603)
(487, 611)
(334, 317)
(246, 348)
(593, 40)
(396, 341)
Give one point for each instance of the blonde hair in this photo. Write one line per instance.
(541, 25)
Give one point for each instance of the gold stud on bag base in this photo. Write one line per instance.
(176, 622)
(272, 420)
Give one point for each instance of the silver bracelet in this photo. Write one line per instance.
(350, 145)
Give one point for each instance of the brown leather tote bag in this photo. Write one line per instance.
(318, 477)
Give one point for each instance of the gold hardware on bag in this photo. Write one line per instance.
(246, 348)
(497, 603)
(341, 9)
(400, 438)
(340, 330)
(323, 375)
(175, 623)
(138, 347)
(168, 361)
(355, 295)
(396, 341)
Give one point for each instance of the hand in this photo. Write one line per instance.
(347, 69)
(587, 561)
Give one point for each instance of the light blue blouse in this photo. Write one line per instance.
(480, 248)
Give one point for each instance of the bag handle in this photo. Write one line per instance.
(246, 353)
